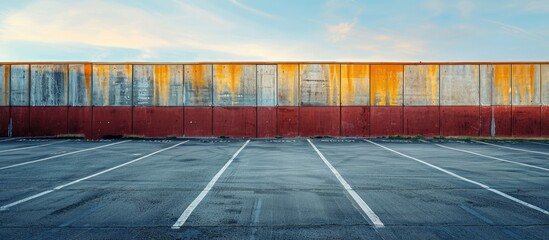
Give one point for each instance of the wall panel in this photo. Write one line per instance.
(158, 85)
(19, 85)
(235, 85)
(288, 84)
(319, 121)
(459, 85)
(545, 84)
(355, 121)
(4, 85)
(80, 85)
(495, 85)
(526, 85)
(198, 121)
(49, 85)
(386, 82)
(112, 85)
(198, 85)
(266, 85)
(355, 85)
(421, 83)
(319, 84)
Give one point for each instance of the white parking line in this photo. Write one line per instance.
(467, 180)
(35, 146)
(7, 206)
(60, 155)
(486, 156)
(538, 143)
(363, 206)
(183, 218)
(512, 148)
(7, 139)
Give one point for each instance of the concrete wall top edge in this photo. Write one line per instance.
(284, 62)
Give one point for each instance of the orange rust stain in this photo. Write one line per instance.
(502, 83)
(227, 77)
(354, 82)
(6, 83)
(129, 72)
(288, 80)
(102, 73)
(333, 74)
(161, 85)
(88, 81)
(386, 82)
(431, 78)
(524, 80)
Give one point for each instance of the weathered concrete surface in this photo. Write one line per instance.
(526, 85)
(49, 85)
(266, 85)
(288, 84)
(112, 85)
(386, 82)
(495, 85)
(19, 84)
(235, 85)
(459, 85)
(421, 84)
(545, 84)
(4, 85)
(319, 84)
(158, 85)
(80, 85)
(198, 85)
(355, 85)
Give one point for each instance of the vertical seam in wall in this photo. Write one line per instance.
(91, 97)
(439, 101)
(183, 97)
(370, 100)
(131, 100)
(479, 102)
(540, 100)
(67, 97)
(276, 100)
(256, 102)
(212, 99)
(402, 100)
(512, 99)
(298, 99)
(340, 103)
(28, 98)
(10, 125)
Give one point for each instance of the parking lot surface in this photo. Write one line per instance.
(326, 188)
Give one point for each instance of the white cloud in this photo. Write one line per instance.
(463, 7)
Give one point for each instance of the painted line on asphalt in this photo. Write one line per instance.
(60, 155)
(7, 206)
(363, 206)
(486, 156)
(34, 146)
(466, 180)
(538, 143)
(7, 139)
(183, 218)
(512, 148)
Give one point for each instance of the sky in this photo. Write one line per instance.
(275, 30)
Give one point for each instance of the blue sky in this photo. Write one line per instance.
(276, 30)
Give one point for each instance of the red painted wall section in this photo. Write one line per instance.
(20, 121)
(237, 122)
(266, 122)
(355, 121)
(545, 121)
(198, 121)
(288, 121)
(319, 121)
(111, 122)
(386, 121)
(526, 121)
(501, 121)
(4, 121)
(80, 121)
(48, 121)
(460, 121)
(158, 121)
(422, 121)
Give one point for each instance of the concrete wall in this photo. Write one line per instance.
(98, 100)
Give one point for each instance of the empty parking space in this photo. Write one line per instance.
(273, 188)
